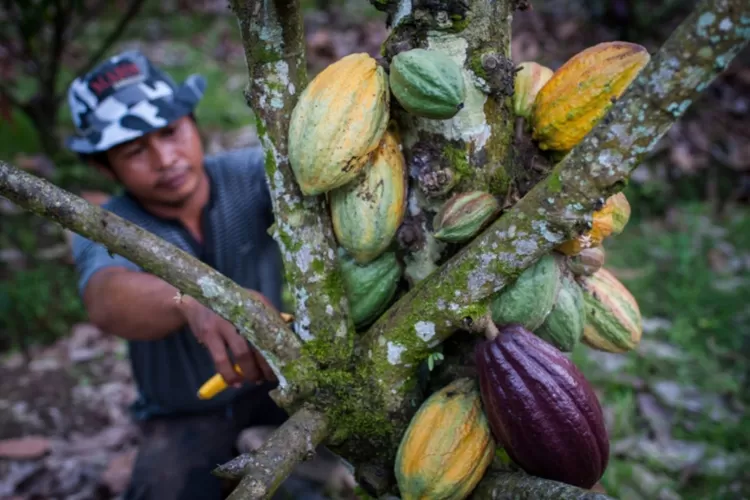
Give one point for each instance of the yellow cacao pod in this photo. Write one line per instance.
(609, 220)
(447, 447)
(367, 212)
(581, 92)
(338, 121)
(602, 227)
(619, 207)
(529, 81)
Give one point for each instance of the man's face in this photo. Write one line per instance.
(164, 167)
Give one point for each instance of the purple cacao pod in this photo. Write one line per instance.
(541, 409)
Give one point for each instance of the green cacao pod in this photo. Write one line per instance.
(563, 328)
(587, 262)
(541, 409)
(367, 212)
(337, 122)
(427, 83)
(464, 215)
(528, 300)
(613, 318)
(447, 446)
(370, 288)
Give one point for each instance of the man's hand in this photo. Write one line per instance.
(219, 335)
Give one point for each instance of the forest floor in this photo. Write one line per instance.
(676, 406)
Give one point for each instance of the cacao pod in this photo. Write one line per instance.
(337, 122)
(367, 212)
(587, 261)
(369, 287)
(563, 328)
(603, 226)
(427, 83)
(619, 208)
(541, 409)
(447, 446)
(613, 318)
(529, 81)
(581, 92)
(528, 300)
(464, 215)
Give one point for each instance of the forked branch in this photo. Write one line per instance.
(265, 469)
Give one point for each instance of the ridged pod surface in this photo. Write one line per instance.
(427, 83)
(528, 300)
(529, 81)
(369, 287)
(613, 318)
(367, 212)
(447, 446)
(541, 409)
(581, 92)
(339, 119)
(464, 215)
(563, 328)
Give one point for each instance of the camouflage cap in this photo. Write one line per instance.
(125, 97)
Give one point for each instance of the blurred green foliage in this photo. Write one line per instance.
(38, 305)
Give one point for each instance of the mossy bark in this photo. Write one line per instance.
(273, 37)
(470, 151)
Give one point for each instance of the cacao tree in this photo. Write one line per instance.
(353, 379)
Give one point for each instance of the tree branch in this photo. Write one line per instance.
(259, 324)
(502, 485)
(556, 208)
(265, 469)
(273, 38)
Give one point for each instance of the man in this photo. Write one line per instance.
(136, 125)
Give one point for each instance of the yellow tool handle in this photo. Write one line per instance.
(216, 384)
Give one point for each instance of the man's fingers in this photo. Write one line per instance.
(264, 367)
(215, 345)
(241, 351)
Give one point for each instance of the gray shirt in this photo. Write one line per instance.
(169, 371)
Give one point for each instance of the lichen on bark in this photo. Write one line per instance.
(471, 150)
(273, 37)
(263, 470)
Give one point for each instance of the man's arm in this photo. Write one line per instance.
(133, 305)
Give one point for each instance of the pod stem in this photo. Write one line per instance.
(486, 326)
